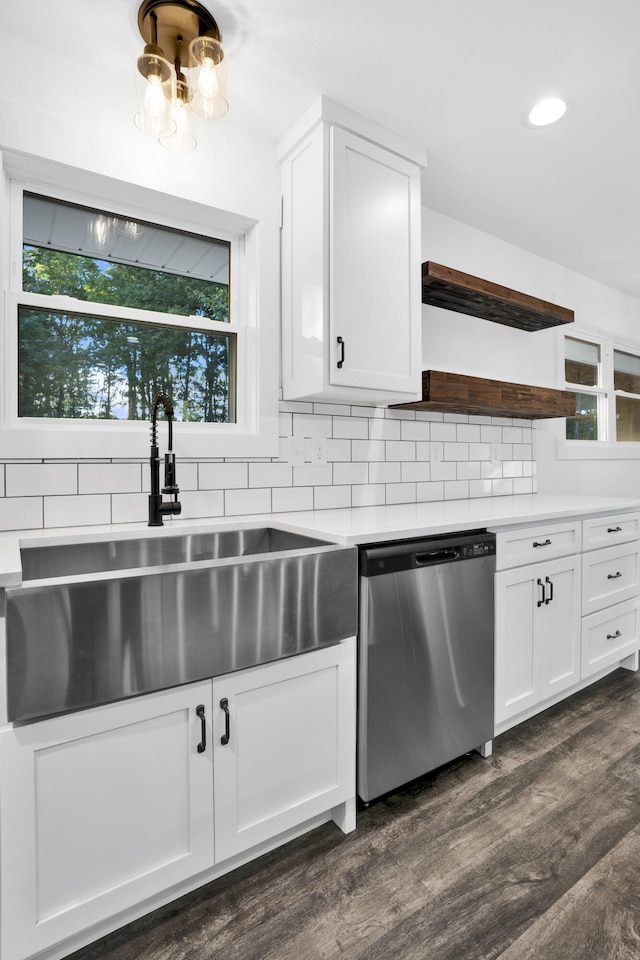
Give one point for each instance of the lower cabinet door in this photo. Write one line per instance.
(99, 810)
(518, 667)
(284, 745)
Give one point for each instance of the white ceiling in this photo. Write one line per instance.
(452, 75)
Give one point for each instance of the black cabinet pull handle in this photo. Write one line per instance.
(545, 543)
(202, 746)
(341, 360)
(614, 529)
(614, 636)
(550, 598)
(541, 584)
(614, 576)
(224, 705)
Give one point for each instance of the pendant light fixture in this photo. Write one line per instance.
(182, 70)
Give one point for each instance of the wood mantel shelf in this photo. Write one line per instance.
(453, 290)
(456, 393)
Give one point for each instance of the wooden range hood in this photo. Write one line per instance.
(455, 393)
(453, 290)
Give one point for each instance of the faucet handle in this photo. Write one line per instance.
(170, 485)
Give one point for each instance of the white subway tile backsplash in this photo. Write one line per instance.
(198, 504)
(415, 430)
(480, 488)
(375, 455)
(400, 450)
(401, 493)
(456, 490)
(129, 507)
(479, 451)
(331, 498)
(21, 513)
(368, 495)
(443, 471)
(468, 433)
(41, 479)
(332, 409)
(431, 490)
(270, 475)
(469, 470)
(247, 501)
(385, 472)
(352, 428)
(310, 426)
(414, 471)
(223, 476)
(491, 434)
(338, 450)
(502, 488)
(77, 510)
(443, 431)
(386, 429)
(351, 472)
(291, 498)
(456, 451)
(311, 475)
(368, 449)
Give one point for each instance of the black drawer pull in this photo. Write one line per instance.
(614, 636)
(614, 529)
(545, 543)
(541, 584)
(614, 576)
(224, 704)
(202, 746)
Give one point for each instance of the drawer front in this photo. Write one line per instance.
(609, 576)
(608, 636)
(522, 545)
(607, 531)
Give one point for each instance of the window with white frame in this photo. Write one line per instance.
(170, 331)
(604, 373)
(114, 293)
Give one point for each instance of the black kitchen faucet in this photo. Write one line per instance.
(156, 506)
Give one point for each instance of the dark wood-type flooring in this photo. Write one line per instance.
(532, 853)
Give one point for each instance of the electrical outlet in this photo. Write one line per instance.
(495, 453)
(436, 451)
(296, 451)
(318, 450)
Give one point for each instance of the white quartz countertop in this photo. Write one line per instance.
(347, 526)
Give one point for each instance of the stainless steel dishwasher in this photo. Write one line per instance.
(425, 684)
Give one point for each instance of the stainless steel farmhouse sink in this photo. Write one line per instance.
(93, 622)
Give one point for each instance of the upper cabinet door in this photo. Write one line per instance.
(374, 271)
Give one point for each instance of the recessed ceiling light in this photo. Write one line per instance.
(547, 111)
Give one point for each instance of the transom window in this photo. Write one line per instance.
(115, 310)
(606, 381)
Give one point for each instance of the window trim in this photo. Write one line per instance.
(253, 313)
(605, 449)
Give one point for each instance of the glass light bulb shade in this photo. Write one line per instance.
(205, 51)
(180, 139)
(209, 96)
(547, 111)
(154, 114)
(153, 66)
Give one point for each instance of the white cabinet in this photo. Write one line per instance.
(610, 587)
(104, 809)
(100, 810)
(537, 634)
(351, 261)
(284, 746)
